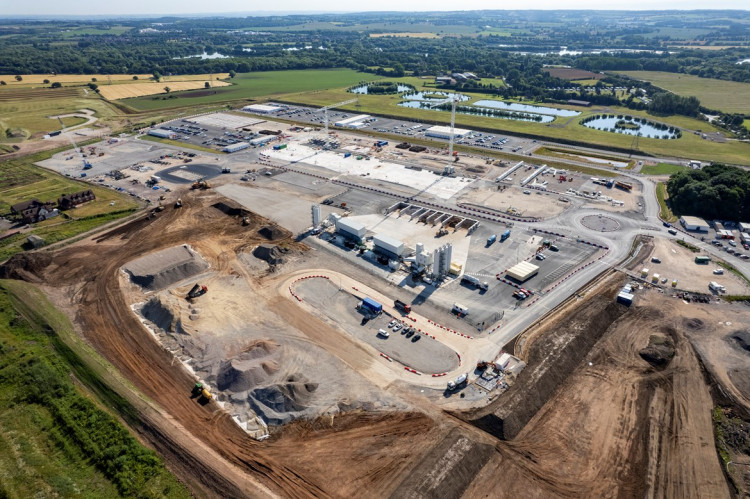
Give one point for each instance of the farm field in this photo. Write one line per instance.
(727, 96)
(249, 86)
(38, 79)
(24, 112)
(404, 35)
(129, 90)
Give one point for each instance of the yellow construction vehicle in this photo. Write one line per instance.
(201, 184)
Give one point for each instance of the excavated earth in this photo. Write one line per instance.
(588, 418)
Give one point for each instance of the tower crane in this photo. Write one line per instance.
(326, 108)
(449, 169)
(86, 164)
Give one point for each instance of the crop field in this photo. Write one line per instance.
(38, 79)
(249, 86)
(129, 90)
(113, 30)
(399, 34)
(727, 96)
(574, 74)
(25, 112)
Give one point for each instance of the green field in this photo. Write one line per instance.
(249, 86)
(114, 30)
(26, 110)
(727, 96)
(55, 439)
(665, 213)
(20, 181)
(661, 169)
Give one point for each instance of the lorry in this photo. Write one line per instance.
(491, 239)
(279, 147)
(505, 235)
(197, 291)
(715, 286)
(459, 382)
(403, 307)
(625, 186)
(476, 282)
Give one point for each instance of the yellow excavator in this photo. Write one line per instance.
(199, 389)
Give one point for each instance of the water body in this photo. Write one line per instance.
(744, 61)
(431, 98)
(514, 106)
(204, 55)
(363, 89)
(565, 51)
(647, 130)
(430, 106)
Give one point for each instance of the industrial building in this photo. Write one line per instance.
(694, 224)
(523, 271)
(350, 228)
(162, 134)
(236, 147)
(353, 122)
(388, 246)
(262, 140)
(261, 109)
(444, 132)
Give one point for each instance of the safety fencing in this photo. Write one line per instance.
(450, 330)
(291, 286)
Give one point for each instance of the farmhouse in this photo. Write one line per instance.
(68, 201)
(34, 210)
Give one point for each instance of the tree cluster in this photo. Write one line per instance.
(714, 192)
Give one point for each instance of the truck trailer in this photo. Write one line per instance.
(476, 282)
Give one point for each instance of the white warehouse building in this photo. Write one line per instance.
(444, 132)
(388, 245)
(261, 109)
(236, 147)
(350, 228)
(352, 122)
(694, 224)
(161, 133)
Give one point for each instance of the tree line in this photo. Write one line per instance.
(716, 192)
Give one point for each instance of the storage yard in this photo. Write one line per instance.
(338, 295)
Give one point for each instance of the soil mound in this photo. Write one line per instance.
(250, 369)
(273, 255)
(25, 266)
(272, 232)
(694, 324)
(231, 209)
(281, 403)
(164, 268)
(165, 316)
(741, 339)
(659, 352)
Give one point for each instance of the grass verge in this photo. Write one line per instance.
(54, 438)
(687, 245)
(665, 213)
(661, 169)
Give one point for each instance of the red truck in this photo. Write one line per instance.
(404, 307)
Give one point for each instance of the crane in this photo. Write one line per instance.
(86, 164)
(326, 108)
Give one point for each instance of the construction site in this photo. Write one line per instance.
(318, 312)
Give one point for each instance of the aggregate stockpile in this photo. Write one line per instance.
(164, 268)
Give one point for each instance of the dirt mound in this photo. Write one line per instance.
(231, 209)
(273, 255)
(164, 268)
(166, 316)
(248, 370)
(272, 232)
(25, 266)
(741, 339)
(694, 324)
(659, 352)
(283, 402)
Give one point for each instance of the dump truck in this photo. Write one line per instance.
(403, 307)
(197, 291)
(476, 282)
(458, 382)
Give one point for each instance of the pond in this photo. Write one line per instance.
(431, 99)
(362, 89)
(514, 106)
(444, 105)
(632, 126)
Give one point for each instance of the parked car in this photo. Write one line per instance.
(719, 271)
(392, 323)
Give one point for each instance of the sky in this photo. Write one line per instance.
(97, 8)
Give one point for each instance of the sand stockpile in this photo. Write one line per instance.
(252, 368)
(166, 267)
(283, 402)
(163, 315)
(273, 255)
